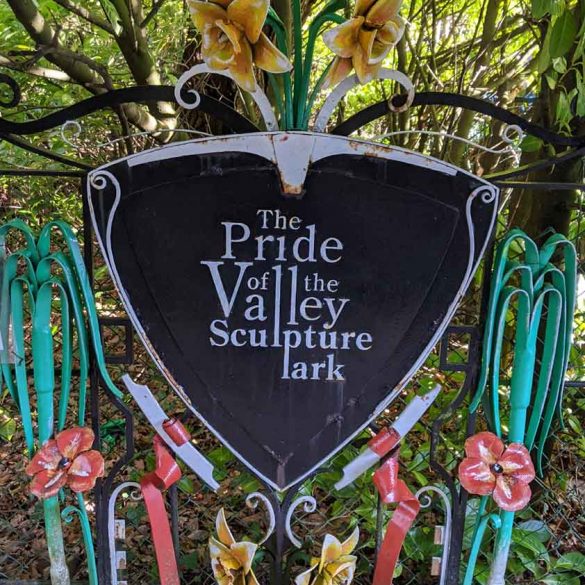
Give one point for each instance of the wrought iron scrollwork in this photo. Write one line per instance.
(309, 504)
(14, 88)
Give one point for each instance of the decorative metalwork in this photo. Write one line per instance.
(252, 501)
(543, 293)
(116, 530)
(309, 504)
(295, 114)
(425, 498)
(75, 130)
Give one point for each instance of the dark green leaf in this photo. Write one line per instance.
(563, 34)
(540, 8)
(531, 144)
(573, 561)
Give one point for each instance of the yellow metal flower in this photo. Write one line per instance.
(336, 565)
(231, 561)
(363, 41)
(232, 38)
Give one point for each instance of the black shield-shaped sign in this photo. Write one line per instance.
(286, 283)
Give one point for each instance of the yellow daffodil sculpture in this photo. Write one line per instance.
(231, 561)
(336, 566)
(238, 36)
(363, 42)
(232, 39)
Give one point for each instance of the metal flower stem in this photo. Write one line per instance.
(37, 285)
(540, 284)
(295, 108)
(523, 372)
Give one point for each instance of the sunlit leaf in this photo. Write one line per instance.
(563, 34)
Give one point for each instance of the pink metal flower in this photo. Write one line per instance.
(65, 460)
(491, 468)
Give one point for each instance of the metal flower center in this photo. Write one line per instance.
(497, 468)
(64, 462)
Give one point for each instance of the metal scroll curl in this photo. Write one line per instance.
(14, 88)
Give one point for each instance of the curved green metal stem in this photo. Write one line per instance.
(29, 276)
(303, 106)
(477, 540)
(297, 53)
(526, 278)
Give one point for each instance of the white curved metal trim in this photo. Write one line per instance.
(252, 501)
(75, 130)
(310, 505)
(135, 494)
(258, 95)
(352, 81)
(512, 135)
(425, 503)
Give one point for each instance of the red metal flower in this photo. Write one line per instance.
(491, 468)
(65, 460)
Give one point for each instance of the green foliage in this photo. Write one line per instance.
(563, 33)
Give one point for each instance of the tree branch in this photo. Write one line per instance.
(80, 68)
(53, 74)
(86, 15)
(156, 6)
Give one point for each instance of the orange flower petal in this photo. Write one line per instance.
(343, 39)
(340, 69)
(205, 13)
(347, 546)
(242, 68)
(216, 54)
(517, 463)
(365, 71)
(233, 34)
(251, 15)
(485, 446)
(74, 441)
(392, 31)
(46, 458)
(223, 530)
(382, 11)
(362, 6)
(47, 484)
(511, 494)
(331, 551)
(305, 577)
(268, 57)
(84, 470)
(244, 552)
(379, 52)
(366, 38)
(476, 476)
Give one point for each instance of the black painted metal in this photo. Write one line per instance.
(141, 95)
(455, 100)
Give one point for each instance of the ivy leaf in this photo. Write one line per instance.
(531, 144)
(7, 428)
(563, 34)
(560, 579)
(573, 561)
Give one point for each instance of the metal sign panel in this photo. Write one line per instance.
(286, 283)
